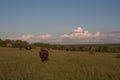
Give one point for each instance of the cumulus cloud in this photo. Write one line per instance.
(78, 36)
(78, 30)
(45, 36)
(80, 33)
(24, 37)
(33, 38)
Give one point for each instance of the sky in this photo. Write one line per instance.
(61, 21)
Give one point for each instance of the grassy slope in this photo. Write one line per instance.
(26, 65)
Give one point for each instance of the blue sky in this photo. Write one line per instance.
(20, 18)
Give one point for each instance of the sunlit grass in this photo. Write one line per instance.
(62, 65)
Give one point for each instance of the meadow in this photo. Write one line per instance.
(62, 65)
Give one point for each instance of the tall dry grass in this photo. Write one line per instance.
(62, 65)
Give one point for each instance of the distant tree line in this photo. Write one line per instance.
(114, 48)
(13, 43)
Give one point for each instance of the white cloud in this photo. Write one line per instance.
(78, 36)
(45, 36)
(33, 38)
(24, 37)
(98, 34)
(79, 29)
(80, 33)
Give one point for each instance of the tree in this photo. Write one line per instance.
(1, 42)
(19, 43)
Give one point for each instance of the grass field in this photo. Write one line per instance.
(62, 65)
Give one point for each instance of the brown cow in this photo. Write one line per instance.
(43, 54)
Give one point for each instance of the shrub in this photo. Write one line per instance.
(118, 56)
(92, 52)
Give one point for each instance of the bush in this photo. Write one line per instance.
(92, 52)
(118, 56)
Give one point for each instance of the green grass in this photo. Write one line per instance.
(62, 65)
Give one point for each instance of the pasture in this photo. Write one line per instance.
(62, 65)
